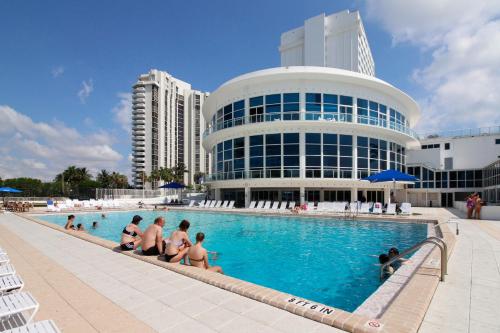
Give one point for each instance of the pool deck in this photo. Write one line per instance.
(81, 286)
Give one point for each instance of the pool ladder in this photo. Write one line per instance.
(430, 240)
(450, 221)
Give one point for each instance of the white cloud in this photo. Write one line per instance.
(123, 111)
(57, 71)
(41, 150)
(462, 39)
(85, 90)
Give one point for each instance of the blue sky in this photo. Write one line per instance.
(68, 64)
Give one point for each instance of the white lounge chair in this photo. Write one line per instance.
(260, 204)
(230, 205)
(44, 326)
(10, 283)
(406, 208)
(219, 204)
(283, 206)
(291, 204)
(212, 204)
(310, 206)
(207, 204)
(191, 203)
(364, 208)
(4, 259)
(202, 203)
(377, 208)
(86, 204)
(7, 269)
(252, 204)
(275, 205)
(391, 209)
(20, 304)
(267, 205)
(339, 207)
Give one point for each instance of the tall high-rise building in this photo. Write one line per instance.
(337, 40)
(167, 126)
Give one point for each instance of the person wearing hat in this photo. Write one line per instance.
(131, 235)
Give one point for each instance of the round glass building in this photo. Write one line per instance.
(306, 134)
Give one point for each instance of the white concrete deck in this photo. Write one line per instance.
(469, 299)
(164, 300)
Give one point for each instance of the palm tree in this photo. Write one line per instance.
(179, 171)
(144, 177)
(103, 177)
(154, 177)
(166, 174)
(118, 180)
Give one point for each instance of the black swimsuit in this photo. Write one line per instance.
(130, 245)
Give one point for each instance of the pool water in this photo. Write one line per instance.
(325, 260)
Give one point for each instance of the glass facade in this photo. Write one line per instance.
(317, 106)
(432, 179)
(326, 155)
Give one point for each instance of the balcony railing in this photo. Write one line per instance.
(312, 116)
(282, 173)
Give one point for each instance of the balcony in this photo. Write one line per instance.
(138, 95)
(139, 101)
(135, 107)
(313, 117)
(136, 122)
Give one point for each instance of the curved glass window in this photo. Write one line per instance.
(230, 158)
(317, 106)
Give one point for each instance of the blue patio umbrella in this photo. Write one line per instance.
(9, 190)
(173, 185)
(391, 176)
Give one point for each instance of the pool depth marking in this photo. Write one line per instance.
(312, 306)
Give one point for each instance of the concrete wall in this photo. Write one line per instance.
(487, 212)
(472, 152)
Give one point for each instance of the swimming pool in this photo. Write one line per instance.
(321, 259)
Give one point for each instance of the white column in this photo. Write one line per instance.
(217, 194)
(302, 154)
(354, 194)
(247, 156)
(354, 157)
(247, 196)
(302, 195)
(321, 195)
(387, 194)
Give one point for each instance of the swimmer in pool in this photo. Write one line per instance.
(198, 256)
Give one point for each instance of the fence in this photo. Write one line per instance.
(113, 193)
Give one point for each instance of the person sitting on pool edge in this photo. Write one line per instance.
(198, 256)
(152, 240)
(69, 224)
(176, 246)
(131, 235)
(388, 270)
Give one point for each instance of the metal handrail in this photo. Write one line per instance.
(449, 221)
(430, 240)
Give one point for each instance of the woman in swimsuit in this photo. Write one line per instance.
(177, 245)
(131, 235)
(69, 224)
(198, 256)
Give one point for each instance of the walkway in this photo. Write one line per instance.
(468, 300)
(87, 288)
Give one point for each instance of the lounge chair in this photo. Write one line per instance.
(219, 204)
(267, 205)
(7, 269)
(275, 205)
(202, 203)
(291, 204)
(191, 203)
(354, 207)
(10, 283)
(283, 206)
(260, 204)
(391, 209)
(18, 305)
(44, 326)
(252, 204)
(213, 204)
(377, 208)
(364, 208)
(406, 208)
(4, 259)
(230, 205)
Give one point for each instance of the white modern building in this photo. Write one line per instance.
(453, 164)
(306, 133)
(337, 40)
(167, 125)
(312, 129)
